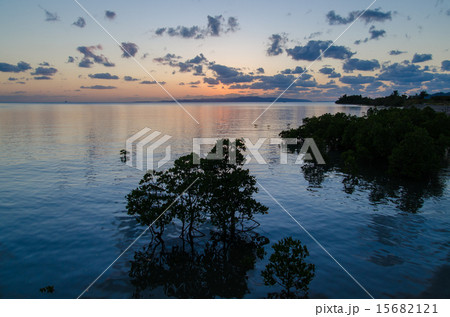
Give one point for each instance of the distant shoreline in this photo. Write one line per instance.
(234, 99)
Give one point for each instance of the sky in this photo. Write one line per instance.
(126, 51)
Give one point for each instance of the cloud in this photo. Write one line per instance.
(43, 78)
(326, 70)
(312, 50)
(211, 81)
(198, 70)
(129, 78)
(194, 64)
(103, 76)
(111, 15)
(85, 63)
(356, 80)
(358, 64)
(260, 70)
(13, 79)
(313, 35)
(402, 74)
(101, 87)
(160, 31)
(9, 68)
(276, 82)
(445, 66)
(276, 45)
(297, 70)
(233, 24)
(230, 75)
(49, 16)
(81, 22)
(46, 71)
(152, 82)
(396, 52)
(216, 26)
(376, 34)
(129, 49)
(44, 64)
(420, 58)
(369, 16)
(89, 57)
(197, 59)
(330, 72)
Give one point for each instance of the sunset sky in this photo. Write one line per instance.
(54, 51)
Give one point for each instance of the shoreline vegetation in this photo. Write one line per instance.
(406, 143)
(397, 100)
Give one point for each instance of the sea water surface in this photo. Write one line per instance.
(63, 219)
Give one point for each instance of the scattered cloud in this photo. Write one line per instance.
(276, 82)
(276, 45)
(129, 78)
(129, 49)
(152, 82)
(356, 80)
(374, 35)
(404, 74)
(297, 70)
(260, 70)
(103, 76)
(70, 59)
(13, 79)
(211, 81)
(9, 68)
(230, 75)
(81, 22)
(445, 66)
(42, 78)
(420, 58)
(89, 57)
(49, 16)
(313, 35)
(111, 15)
(194, 64)
(369, 16)
(216, 26)
(330, 72)
(45, 71)
(44, 64)
(101, 87)
(358, 64)
(396, 52)
(313, 49)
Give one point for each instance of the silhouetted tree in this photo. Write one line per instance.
(288, 269)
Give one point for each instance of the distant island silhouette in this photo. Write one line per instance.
(234, 99)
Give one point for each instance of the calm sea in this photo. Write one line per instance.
(63, 218)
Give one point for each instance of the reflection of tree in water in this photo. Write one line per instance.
(213, 192)
(216, 269)
(407, 195)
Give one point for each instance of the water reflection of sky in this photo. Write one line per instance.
(63, 217)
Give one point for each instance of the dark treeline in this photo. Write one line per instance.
(406, 143)
(395, 100)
